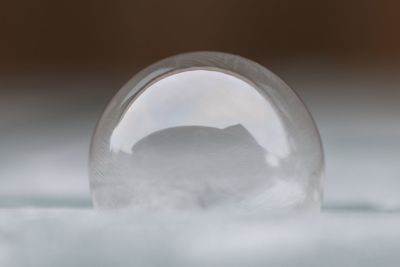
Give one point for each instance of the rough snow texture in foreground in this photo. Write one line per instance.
(59, 237)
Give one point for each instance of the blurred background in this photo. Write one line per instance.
(132, 34)
(62, 61)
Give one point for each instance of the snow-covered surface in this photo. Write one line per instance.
(46, 216)
(33, 237)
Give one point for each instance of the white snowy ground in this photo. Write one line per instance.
(46, 217)
(73, 237)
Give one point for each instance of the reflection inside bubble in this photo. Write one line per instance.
(198, 138)
(200, 97)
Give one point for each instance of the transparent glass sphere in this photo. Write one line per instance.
(206, 131)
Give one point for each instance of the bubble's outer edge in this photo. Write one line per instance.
(235, 65)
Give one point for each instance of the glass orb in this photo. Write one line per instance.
(206, 131)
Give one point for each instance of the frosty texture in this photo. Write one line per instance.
(207, 131)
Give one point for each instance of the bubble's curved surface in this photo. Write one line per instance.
(206, 130)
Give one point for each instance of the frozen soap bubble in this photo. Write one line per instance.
(206, 131)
